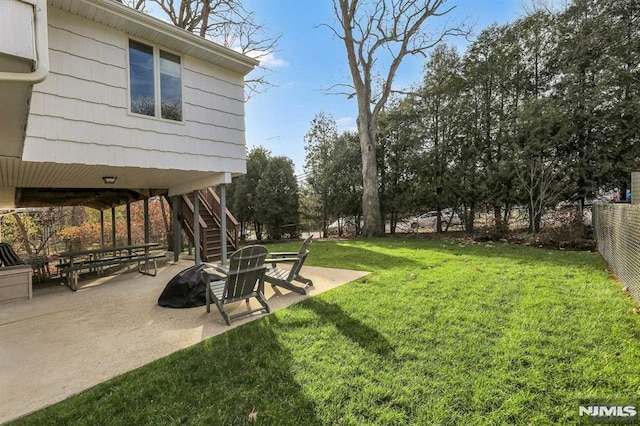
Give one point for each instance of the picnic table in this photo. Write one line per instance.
(72, 262)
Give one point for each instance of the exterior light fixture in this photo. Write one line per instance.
(109, 180)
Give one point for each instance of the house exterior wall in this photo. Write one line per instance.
(16, 33)
(80, 113)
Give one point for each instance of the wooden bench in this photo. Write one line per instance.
(98, 259)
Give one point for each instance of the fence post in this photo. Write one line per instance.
(635, 187)
(196, 224)
(223, 224)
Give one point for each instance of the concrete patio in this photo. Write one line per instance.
(61, 343)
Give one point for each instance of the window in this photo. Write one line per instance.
(155, 82)
(141, 79)
(170, 87)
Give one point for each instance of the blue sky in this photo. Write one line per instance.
(310, 60)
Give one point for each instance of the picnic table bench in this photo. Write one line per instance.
(72, 262)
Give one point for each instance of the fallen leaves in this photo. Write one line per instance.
(253, 415)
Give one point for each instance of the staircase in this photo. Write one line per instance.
(210, 241)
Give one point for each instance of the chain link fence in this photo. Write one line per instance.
(617, 231)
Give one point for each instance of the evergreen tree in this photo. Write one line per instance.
(277, 199)
(320, 142)
(243, 191)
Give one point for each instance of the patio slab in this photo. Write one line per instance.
(61, 343)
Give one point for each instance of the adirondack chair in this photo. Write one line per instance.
(243, 279)
(284, 278)
(8, 257)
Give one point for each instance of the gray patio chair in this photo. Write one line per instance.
(243, 279)
(285, 277)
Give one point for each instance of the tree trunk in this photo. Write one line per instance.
(393, 222)
(258, 228)
(23, 233)
(165, 218)
(243, 230)
(537, 223)
(469, 218)
(325, 220)
(500, 227)
(623, 191)
(370, 198)
(77, 215)
(535, 219)
(532, 214)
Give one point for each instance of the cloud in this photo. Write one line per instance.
(268, 59)
(347, 123)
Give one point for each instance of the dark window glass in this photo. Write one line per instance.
(170, 86)
(141, 78)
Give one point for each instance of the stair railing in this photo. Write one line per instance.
(212, 202)
(186, 212)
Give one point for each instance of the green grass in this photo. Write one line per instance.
(440, 333)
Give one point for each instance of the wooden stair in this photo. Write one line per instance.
(210, 228)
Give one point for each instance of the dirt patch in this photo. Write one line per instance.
(562, 237)
(557, 238)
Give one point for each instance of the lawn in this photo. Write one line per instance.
(441, 332)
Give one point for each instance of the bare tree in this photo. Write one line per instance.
(24, 233)
(378, 35)
(542, 184)
(530, 7)
(226, 22)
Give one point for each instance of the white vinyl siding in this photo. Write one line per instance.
(17, 31)
(80, 113)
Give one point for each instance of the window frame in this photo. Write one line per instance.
(157, 89)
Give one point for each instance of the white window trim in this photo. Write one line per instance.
(156, 82)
